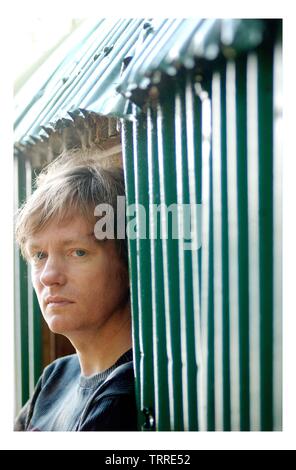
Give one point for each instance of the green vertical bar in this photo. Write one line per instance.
(205, 248)
(217, 246)
(128, 162)
(29, 322)
(225, 270)
(243, 254)
(162, 413)
(265, 122)
(253, 237)
(23, 292)
(167, 172)
(277, 231)
(197, 142)
(185, 261)
(144, 268)
(17, 316)
(211, 325)
(194, 169)
(208, 283)
(233, 234)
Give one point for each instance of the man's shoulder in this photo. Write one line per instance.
(63, 366)
(120, 381)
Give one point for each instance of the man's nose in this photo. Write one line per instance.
(53, 272)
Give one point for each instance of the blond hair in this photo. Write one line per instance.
(74, 183)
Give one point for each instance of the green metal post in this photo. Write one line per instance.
(265, 146)
(128, 161)
(144, 270)
(28, 315)
(243, 254)
(206, 405)
(217, 249)
(225, 255)
(194, 176)
(210, 338)
(187, 312)
(253, 237)
(168, 196)
(162, 412)
(233, 235)
(22, 325)
(277, 233)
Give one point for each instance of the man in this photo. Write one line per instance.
(83, 290)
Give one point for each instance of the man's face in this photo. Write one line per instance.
(81, 283)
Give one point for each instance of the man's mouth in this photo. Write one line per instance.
(55, 301)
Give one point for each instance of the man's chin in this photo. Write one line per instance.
(58, 325)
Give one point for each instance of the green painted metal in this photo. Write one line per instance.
(277, 234)
(27, 315)
(162, 411)
(168, 196)
(233, 236)
(217, 248)
(176, 43)
(143, 268)
(186, 284)
(253, 236)
(265, 146)
(128, 161)
(105, 62)
(210, 319)
(21, 313)
(82, 73)
(206, 407)
(194, 169)
(225, 256)
(205, 143)
(243, 255)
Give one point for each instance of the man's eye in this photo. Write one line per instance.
(39, 255)
(79, 253)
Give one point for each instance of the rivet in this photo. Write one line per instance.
(149, 419)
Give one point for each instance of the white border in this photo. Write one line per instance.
(173, 440)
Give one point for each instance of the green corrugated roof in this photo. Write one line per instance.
(107, 64)
(82, 74)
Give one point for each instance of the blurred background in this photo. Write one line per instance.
(37, 39)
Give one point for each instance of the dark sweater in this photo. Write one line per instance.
(64, 400)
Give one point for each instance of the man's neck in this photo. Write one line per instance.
(98, 351)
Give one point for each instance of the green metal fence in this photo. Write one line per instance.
(207, 322)
(28, 335)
